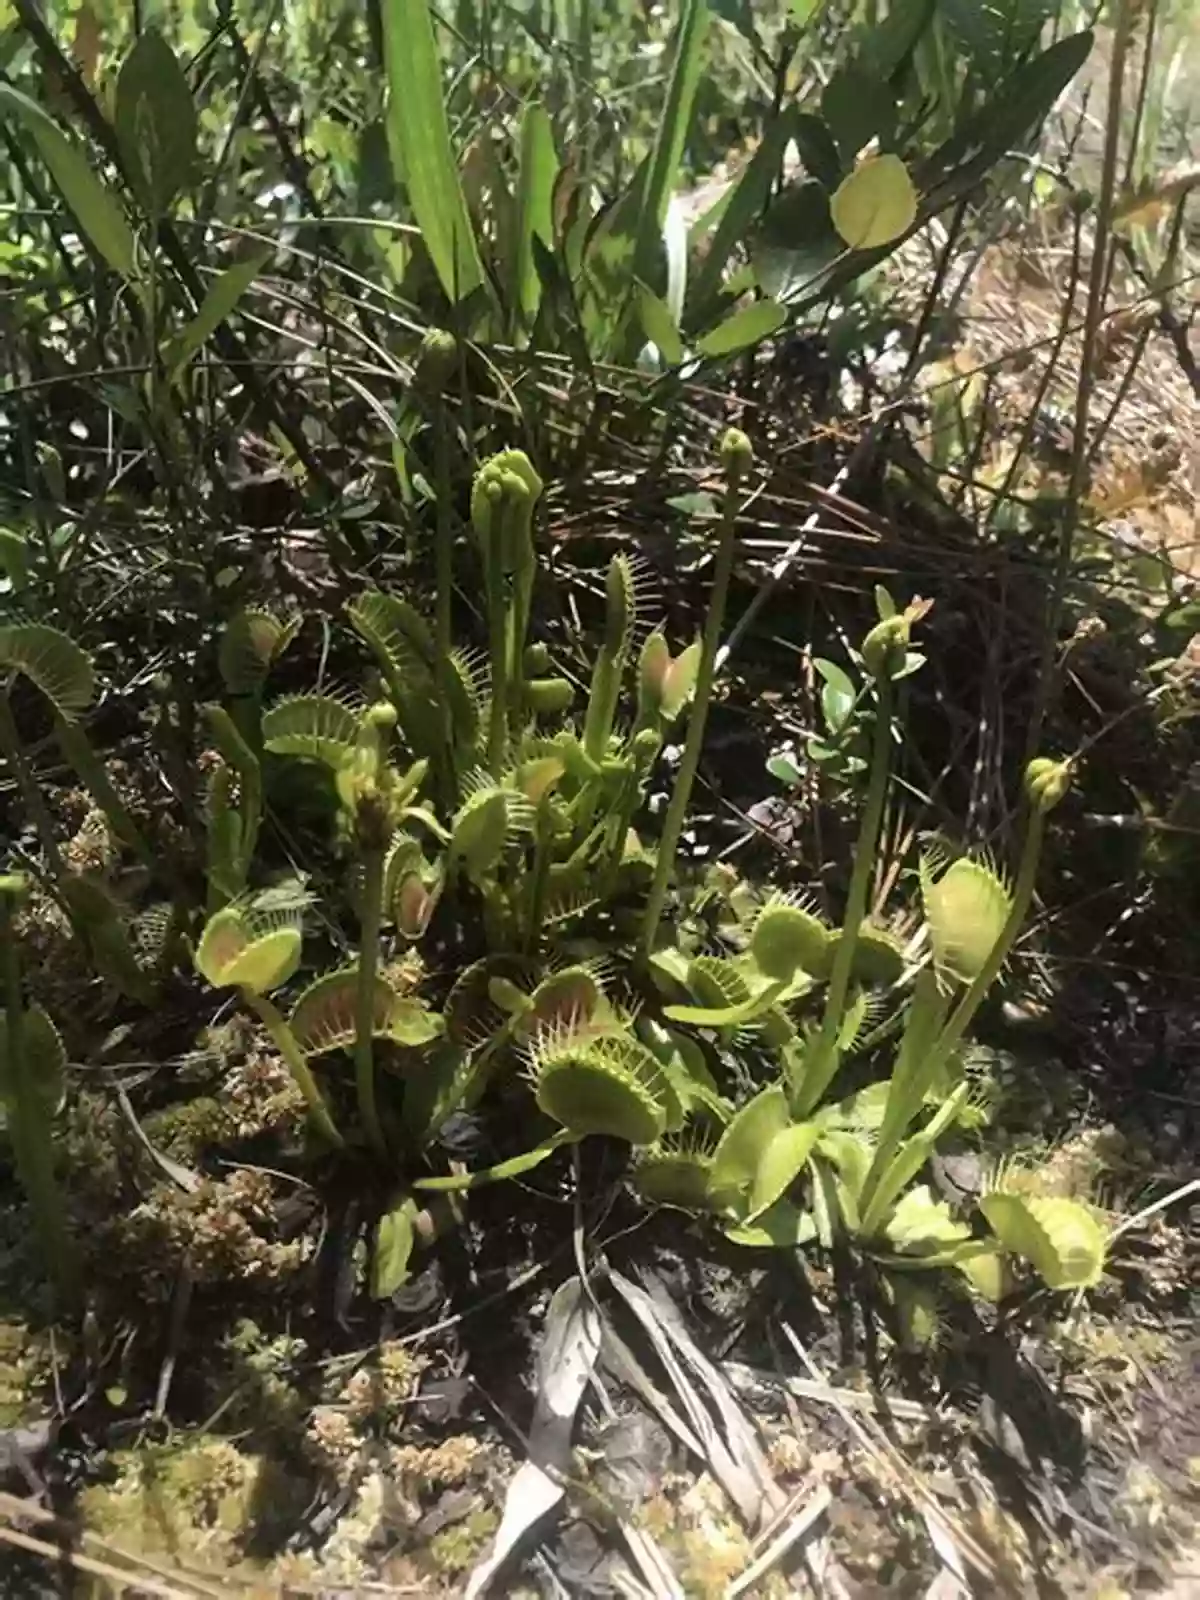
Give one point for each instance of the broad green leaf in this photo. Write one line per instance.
(420, 142)
(535, 194)
(740, 208)
(155, 122)
(876, 204)
(736, 1158)
(220, 300)
(784, 769)
(781, 1162)
(394, 1239)
(796, 241)
(857, 106)
(921, 1224)
(95, 209)
(659, 326)
(783, 1227)
(744, 328)
(837, 697)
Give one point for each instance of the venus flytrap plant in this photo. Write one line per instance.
(858, 1159)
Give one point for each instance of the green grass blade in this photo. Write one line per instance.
(660, 175)
(420, 142)
(219, 302)
(743, 206)
(96, 210)
(535, 192)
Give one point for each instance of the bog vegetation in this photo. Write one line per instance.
(420, 435)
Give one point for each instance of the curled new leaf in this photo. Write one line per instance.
(394, 1240)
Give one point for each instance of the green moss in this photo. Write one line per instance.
(459, 1547)
(185, 1131)
(199, 1500)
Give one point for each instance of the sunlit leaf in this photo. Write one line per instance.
(535, 193)
(514, 1167)
(876, 204)
(420, 141)
(155, 122)
(394, 1239)
(779, 1164)
(746, 327)
(1063, 1240)
(96, 210)
(659, 326)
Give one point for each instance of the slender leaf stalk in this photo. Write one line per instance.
(77, 748)
(498, 616)
(822, 1060)
(364, 1018)
(285, 1042)
(736, 457)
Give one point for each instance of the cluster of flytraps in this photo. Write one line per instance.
(469, 788)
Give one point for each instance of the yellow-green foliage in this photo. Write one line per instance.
(194, 1501)
(24, 1367)
(459, 1547)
